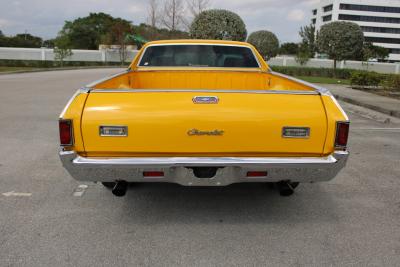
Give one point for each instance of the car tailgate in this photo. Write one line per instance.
(243, 123)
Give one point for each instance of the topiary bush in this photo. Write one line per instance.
(218, 24)
(340, 40)
(266, 43)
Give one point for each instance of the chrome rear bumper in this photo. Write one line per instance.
(231, 169)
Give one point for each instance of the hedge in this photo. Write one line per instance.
(358, 79)
(314, 72)
(366, 79)
(51, 64)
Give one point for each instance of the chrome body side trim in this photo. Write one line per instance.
(230, 169)
(286, 92)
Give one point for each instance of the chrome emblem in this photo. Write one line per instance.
(193, 132)
(205, 100)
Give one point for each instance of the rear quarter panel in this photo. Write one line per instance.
(73, 111)
(334, 113)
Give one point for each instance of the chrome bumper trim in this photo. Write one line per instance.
(231, 169)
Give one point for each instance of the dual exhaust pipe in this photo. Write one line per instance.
(285, 188)
(120, 188)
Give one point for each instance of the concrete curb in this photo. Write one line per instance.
(59, 69)
(353, 101)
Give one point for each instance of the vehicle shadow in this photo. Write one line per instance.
(153, 204)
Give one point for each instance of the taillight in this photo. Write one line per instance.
(66, 138)
(342, 134)
(153, 174)
(257, 174)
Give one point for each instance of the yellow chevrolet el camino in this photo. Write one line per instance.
(202, 113)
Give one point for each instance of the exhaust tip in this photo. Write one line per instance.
(120, 188)
(285, 188)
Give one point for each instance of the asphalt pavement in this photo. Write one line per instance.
(353, 220)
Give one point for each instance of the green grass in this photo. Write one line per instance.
(323, 80)
(8, 69)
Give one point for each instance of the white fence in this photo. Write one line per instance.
(46, 54)
(109, 55)
(327, 63)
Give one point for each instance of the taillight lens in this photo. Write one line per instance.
(257, 174)
(342, 134)
(153, 174)
(66, 138)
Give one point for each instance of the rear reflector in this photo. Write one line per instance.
(296, 132)
(66, 138)
(153, 174)
(256, 174)
(342, 134)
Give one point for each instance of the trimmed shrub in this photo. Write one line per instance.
(218, 24)
(340, 40)
(266, 43)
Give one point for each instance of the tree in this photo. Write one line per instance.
(340, 40)
(197, 6)
(289, 49)
(50, 43)
(266, 43)
(303, 54)
(194, 8)
(119, 31)
(3, 40)
(173, 14)
(88, 32)
(381, 53)
(218, 24)
(152, 33)
(62, 49)
(21, 40)
(308, 38)
(153, 13)
(371, 51)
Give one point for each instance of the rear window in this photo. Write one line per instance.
(199, 56)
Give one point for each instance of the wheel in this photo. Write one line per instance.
(108, 185)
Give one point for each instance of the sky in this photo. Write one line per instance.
(45, 18)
